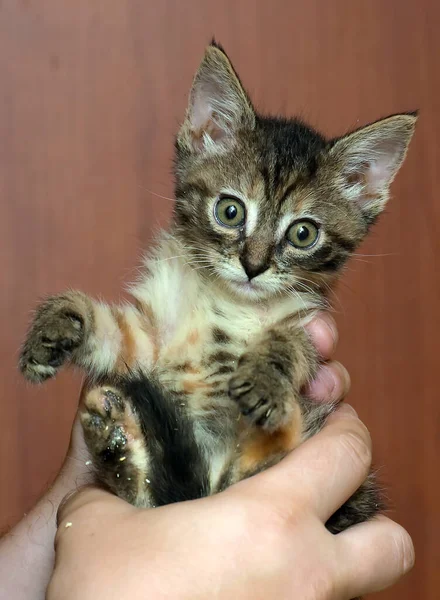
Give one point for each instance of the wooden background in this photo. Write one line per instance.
(91, 92)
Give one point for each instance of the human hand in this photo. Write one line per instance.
(262, 538)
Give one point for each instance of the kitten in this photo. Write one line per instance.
(197, 384)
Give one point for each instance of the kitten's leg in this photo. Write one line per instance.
(267, 387)
(114, 437)
(93, 335)
(270, 375)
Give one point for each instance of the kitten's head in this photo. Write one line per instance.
(268, 205)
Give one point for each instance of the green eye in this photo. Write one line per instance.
(230, 212)
(302, 234)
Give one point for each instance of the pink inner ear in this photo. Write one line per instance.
(377, 170)
(201, 109)
(384, 163)
(210, 128)
(378, 173)
(371, 156)
(203, 117)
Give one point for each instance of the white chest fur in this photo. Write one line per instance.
(187, 307)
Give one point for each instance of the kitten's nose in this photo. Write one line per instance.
(253, 269)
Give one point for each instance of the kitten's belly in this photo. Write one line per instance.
(195, 366)
(198, 341)
(198, 338)
(197, 362)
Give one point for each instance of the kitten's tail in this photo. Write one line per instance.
(178, 468)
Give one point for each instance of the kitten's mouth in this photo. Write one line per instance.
(251, 289)
(247, 285)
(240, 285)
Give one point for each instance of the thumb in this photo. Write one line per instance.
(89, 501)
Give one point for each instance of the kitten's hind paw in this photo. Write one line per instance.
(56, 331)
(106, 425)
(115, 440)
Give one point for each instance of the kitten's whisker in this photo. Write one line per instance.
(317, 292)
(297, 296)
(200, 256)
(332, 294)
(322, 303)
(302, 284)
(201, 261)
(206, 267)
(367, 262)
(154, 194)
(170, 258)
(388, 254)
(305, 287)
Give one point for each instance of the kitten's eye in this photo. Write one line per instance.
(230, 212)
(302, 234)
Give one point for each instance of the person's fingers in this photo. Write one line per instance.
(373, 556)
(324, 334)
(332, 383)
(330, 466)
(77, 499)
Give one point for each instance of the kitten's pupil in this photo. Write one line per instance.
(231, 212)
(303, 233)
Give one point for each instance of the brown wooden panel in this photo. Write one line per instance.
(90, 96)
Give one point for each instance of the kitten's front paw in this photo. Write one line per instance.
(57, 330)
(262, 392)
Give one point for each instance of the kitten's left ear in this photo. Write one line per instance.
(218, 105)
(369, 159)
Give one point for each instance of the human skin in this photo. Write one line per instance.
(26, 552)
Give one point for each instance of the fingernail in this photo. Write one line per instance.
(331, 326)
(319, 330)
(346, 409)
(323, 386)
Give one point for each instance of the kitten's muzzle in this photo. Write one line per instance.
(251, 269)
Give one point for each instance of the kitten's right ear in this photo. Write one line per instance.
(218, 105)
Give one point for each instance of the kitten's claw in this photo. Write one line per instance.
(261, 394)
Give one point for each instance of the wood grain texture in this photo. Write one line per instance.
(91, 93)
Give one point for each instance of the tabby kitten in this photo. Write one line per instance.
(197, 384)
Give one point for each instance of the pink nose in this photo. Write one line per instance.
(253, 270)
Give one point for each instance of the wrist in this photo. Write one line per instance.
(27, 550)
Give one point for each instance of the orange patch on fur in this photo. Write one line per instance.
(128, 346)
(193, 337)
(192, 385)
(259, 446)
(147, 322)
